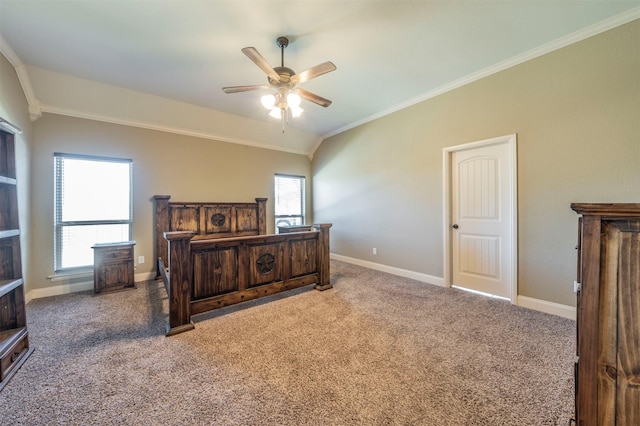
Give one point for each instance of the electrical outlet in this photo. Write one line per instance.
(140, 259)
(375, 251)
(576, 286)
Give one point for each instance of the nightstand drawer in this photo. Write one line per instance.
(10, 359)
(114, 255)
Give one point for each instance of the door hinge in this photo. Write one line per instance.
(577, 286)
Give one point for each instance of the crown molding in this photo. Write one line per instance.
(315, 147)
(163, 128)
(11, 128)
(590, 31)
(9, 53)
(34, 105)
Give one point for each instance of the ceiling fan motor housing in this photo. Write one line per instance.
(285, 74)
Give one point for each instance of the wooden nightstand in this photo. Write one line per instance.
(113, 266)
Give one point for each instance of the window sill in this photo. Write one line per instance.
(66, 276)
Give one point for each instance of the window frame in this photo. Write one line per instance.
(60, 225)
(303, 210)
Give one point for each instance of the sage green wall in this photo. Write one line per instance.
(187, 168)
(14, 108)
(576, 112)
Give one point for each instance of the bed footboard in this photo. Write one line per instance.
(210, 274)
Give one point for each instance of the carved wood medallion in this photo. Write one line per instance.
(218, 219)
(265, 263)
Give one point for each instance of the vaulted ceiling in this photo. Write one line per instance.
(389, 54)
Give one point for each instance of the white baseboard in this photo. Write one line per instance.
(547, 307)
(67, 287)
(59, 289)
(418, 276)
(145, 276)
(524, 301)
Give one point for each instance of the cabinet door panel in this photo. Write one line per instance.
(628, 378)
(265, 264)
(217, 220)
(114, 274)
(607, 325)
(215, 272)
(303, 257)
(246, 219)
(185, 218)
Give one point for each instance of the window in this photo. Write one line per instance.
(93, 204)
(289, 196)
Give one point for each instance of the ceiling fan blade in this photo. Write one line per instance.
(313, 72)
(236, 89)
(313, 97)
(261, 62)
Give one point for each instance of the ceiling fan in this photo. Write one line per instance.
(285, 81)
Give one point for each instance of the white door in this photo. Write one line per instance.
(481, 219)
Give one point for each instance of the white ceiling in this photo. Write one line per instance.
(389, 54)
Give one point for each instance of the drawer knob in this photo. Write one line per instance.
(15, 355)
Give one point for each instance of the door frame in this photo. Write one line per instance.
(447, 156)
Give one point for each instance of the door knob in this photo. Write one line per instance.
(454, 226)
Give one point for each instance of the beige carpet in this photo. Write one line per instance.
(375, 350)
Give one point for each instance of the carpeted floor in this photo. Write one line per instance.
(375, 350)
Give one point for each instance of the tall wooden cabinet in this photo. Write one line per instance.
(608, 315)
(14, 339)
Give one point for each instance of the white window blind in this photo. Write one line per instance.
(93, 204)
(289, 200)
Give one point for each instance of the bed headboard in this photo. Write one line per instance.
(208, 220)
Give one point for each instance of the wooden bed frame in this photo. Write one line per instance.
(212, 255)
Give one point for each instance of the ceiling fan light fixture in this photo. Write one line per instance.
(276, 112)
(293, 99)
(268, 101)
(296, 112)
